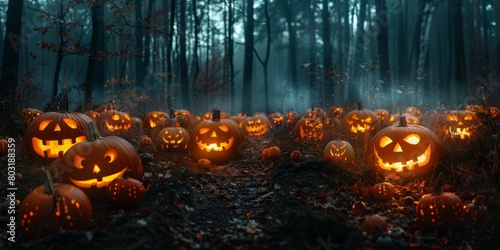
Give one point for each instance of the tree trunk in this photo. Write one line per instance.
(139, 44)
(184, 79)
(424, 45)
(169, 58)
(292, 47)
(195, 68)
(55, 81)
(313, 77)
(328, 70)
(246, 104)
(383, 42)
(496, 7)
(10, 64)
(459, 86)
(89, 78)
(230, 53)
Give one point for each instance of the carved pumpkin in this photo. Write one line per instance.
(145, 142)
(171, 121)
(113, 122)
(383, 191)
(414, 111)
(256, 126)
(295, 156)
(185, 116)
(339, 150)
(474, 214)
(315, 113)
(92, 114)
(291, 117)
(208, 116)
(383, 115)
(152, 118)
(51, 134)
(204, 163)
(99, 160)
(361, 121)
(460, 124)
(276, 119)
(125, 192)
(172, 138)
(217, 140)
(407, 150)
(271, 153)
(309, 129)
(30, 114)
(335, 112)
(394, 118)
(136, 125)
(439, 210)
(54, 207)
(332, 123)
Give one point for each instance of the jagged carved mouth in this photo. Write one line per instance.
(337, 153)
(103, 182)
(216, 146)
(459, 132)
(174, 144)
(359, 128)
(117, 127)
(256, 131)
(413, 164)
(54, 148)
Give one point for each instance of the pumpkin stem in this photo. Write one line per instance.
(49, 184)
(92, 132)
(437, 185)
(215, 115)
(360, 105)
(402, 121)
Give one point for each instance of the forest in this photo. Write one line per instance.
(309, 71)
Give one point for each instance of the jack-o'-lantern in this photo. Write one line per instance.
(271, 153)
(407, 150)
(125, 192)
(92, 114)
(113, 122)
(439, 211)
(136, 125)
(460, 124)
(474, 213)
(217, 140)
(208, 116)
(53, 133)
(99, 160)
(295, 156)
(339, 150)
(412, 119)
(145, 142)
(414, 111)
(394, 118)
(383, 191)
(241, 114)
(54, 207)
(30, 114)
(291, 117)
(383, 115)
(332, 123)
(335, 112)
(315, 113)
(361, 121)
(276, 119)
(171, 121)
(185, 115)
(309, 129)
(256, 126)
(172, 138)
(152, 118)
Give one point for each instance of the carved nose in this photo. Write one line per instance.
(213, 134)
(96, 169)
(398, 148)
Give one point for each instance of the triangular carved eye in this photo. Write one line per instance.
(43, 124)
(413, 139)
(203, 130)
(384, 141)
(452, 118)
(110, 155)
(127, 117)
(468, 117)
(224, 128)
(115, 117)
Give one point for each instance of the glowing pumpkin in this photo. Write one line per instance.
(99, 160)
(51, 134)
(276, 119)
(54, 207)
(315, 113)
(271, 153)
(217, 140)
(291, 117)
(383, 191)
(339, 150)
(439, 211)
(309, 129)
(460, 124)
(373, 223)
(92, 114)
(407, 150)
(125, 192)
(172, 138)
(152, 118)
(361, 121)
(256, 126)
(185, 116)
(4, 147)
(113, 122)
(171, 121)
(335, 112)
(30, 114)
(295, 156)
(414, 111)
(383, 115)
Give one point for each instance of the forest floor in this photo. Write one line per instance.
(253, 203)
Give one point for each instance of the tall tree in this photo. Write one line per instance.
(496, 7)
(139, 44)
(460, 84)
(230, 53)
(89, 78)
(10, 62)
(170, 42)
(184, 79)
(246, 102)
(328, 76)
(383, 41)
(265, 61)
(312, 51)
(292, 39)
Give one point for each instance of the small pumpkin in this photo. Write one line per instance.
(99, 160)
(113, 122)
(361, 121)
(92, 114)
(54, 207)
(309, 129)
(276, 119)
(291, 117)
(315, 113)
(125, 192)
(460, 124)
(172, 138)
(414, 111)
(439, 210)
(383, 191)
(474, 214)
(339, 150)
(30, 114)
(374, 222)
(217, 139)
(271, 153)
(171, 121)
(152, 118)
(407, 150)
(383, 115)
(295, 156)
(145, 142)
(256, 126)
(335, 112)
(204, 163)
(185, 116)
(238, 119)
